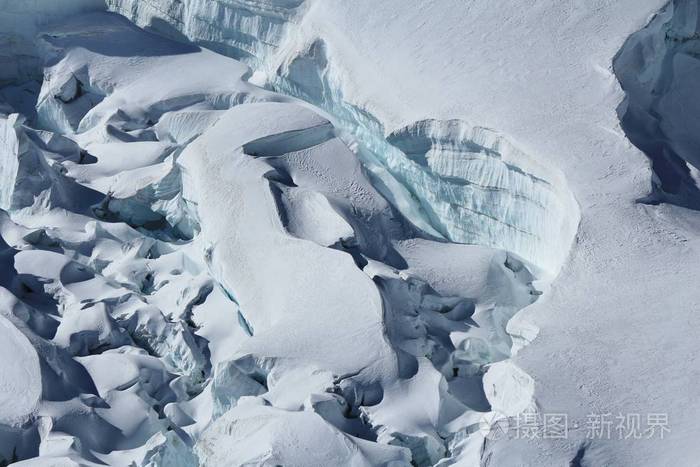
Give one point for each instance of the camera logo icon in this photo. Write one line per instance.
(494, 425)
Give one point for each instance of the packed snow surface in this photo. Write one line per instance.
(301, 232)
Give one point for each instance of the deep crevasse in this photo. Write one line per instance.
(20, 22)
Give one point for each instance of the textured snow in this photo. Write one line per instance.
(330, 269)
(21, 380)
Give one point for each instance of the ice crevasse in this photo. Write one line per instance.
(657, 68)
(452, 178)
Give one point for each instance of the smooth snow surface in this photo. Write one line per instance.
(301, 232)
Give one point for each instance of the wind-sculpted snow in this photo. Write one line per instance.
(193, 265)
(657, 67)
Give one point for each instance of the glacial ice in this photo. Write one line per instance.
(452, 179)
(247, 30)
(245, 260)
(508, 199)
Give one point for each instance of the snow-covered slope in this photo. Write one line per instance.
(311, 247)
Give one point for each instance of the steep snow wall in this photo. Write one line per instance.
(19, 23)
(658, 68)
(478, 188)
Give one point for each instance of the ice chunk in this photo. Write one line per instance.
(509, 389)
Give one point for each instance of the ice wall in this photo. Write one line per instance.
(478, 188)
(9, 148)
(19, 23)
(246, 30)
(658, 68)
(30, 167)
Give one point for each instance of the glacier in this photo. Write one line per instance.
(298, 232)
(143, 274)
(536, 216)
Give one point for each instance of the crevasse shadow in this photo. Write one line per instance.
(125, 39)
(657, 68)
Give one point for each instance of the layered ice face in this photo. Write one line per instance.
(246, 30)
(475, 187)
